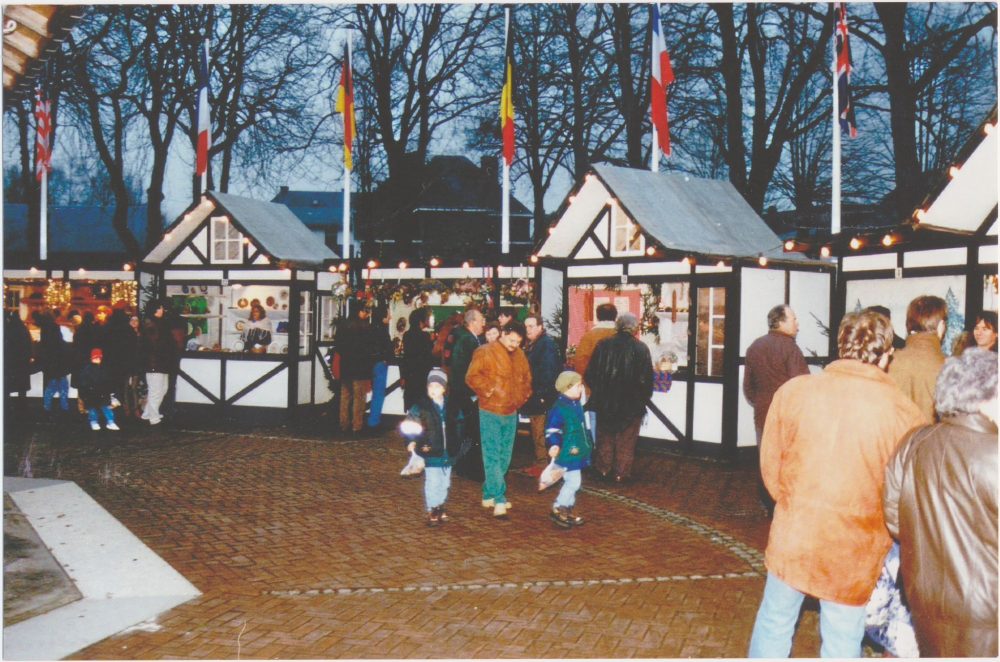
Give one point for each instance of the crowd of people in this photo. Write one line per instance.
(882, 467)
(112, 358)
(888, 452)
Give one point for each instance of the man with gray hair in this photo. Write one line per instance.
(940, 503)
(620, 376)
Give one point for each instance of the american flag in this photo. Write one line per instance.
(43, 121)
(661, 75)
(204, 118)
(845, 108)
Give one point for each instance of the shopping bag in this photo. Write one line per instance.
(550, 475)
(414, 467)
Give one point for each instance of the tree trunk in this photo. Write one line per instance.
(630, 101)
(902, 105)
(734, 151)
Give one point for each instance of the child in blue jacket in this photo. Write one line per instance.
(426, 431)
(570, 445)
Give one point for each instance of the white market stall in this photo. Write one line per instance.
(221, 255)
(700, 269)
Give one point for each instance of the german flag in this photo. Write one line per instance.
(345, 105)
(507, 103)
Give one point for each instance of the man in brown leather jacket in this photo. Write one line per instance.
(940, 502)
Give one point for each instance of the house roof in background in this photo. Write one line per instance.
(72, 230)
(456, 184)
(317, 209)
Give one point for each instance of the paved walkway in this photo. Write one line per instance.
(311, 547)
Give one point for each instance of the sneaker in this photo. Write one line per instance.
(155, 421)
(500, 510)
(433, 517)
(95, 426)
(489, 503)
(560, 516)
(575, 519)
(442, 514)
(113, 426)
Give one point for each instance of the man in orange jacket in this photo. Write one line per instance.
(501, 378)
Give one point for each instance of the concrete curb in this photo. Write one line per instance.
(122, 581)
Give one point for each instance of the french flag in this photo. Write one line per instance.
(204, 121)
(662, 74)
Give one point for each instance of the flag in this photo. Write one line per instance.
(43, 123)
(845, 108)
(507, 104)
(204, 118)
(345, 105)
(661, 75)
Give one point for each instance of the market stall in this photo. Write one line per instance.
(224, 257)
(700, 269)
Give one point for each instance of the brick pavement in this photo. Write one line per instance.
(316, 548)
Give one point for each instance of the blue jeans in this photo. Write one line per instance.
(437, 480)
(109, 414)
(841, 627)
(570, 486)
(60, 384)
(497, 438)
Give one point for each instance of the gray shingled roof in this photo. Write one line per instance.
(278, 231)
(689, 213)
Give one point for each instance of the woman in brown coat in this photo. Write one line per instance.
(941, 504)
(826, 442)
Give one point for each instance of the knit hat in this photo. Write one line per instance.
(567, 380)
(96, 353)
(437, 376)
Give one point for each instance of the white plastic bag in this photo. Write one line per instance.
(414, 467)
(550, 475)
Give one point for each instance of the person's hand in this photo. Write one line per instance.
(411, 446)
(553, 452)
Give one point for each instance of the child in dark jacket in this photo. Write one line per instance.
(425, 429)
(570, 445)
(95, 385)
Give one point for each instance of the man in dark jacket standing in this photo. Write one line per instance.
(940, 502)
(160, 358)
(359, 347)
(543, 358)
(620, 376)
(463, 412)
(771, 361)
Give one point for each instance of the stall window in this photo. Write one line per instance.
(711, 331)
(227, 242)
(626, 236)
(305, 323)
(329, 313)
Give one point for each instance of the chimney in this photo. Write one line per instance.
(489, 165)
(283, 192)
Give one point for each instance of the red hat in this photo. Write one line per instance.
(96, 353)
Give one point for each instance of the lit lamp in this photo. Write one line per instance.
(855, 243)
(824, 251)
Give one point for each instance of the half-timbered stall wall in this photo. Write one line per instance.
(221, 257)
(700, 269)
(948, 248)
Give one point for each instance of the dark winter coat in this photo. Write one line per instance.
(543, 357)
(620, 376)
(121, 348)
(458, 364)
(157, 348)
(16, 355)
(360, 347)
(53, 354)
(94, 385)
(565, 428)
(437, 441)
(771, 361)
(86, 337)
(416, 362)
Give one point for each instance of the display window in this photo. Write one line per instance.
(711, 331)
(247, 319)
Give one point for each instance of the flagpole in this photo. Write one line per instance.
(835, 173)
(347, 171)
(505, 199)
(43, 216)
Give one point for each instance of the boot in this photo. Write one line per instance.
(560, 516)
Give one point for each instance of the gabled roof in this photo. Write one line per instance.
(680, 212)
(272, 226)
(72, 230)
(456, 184)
